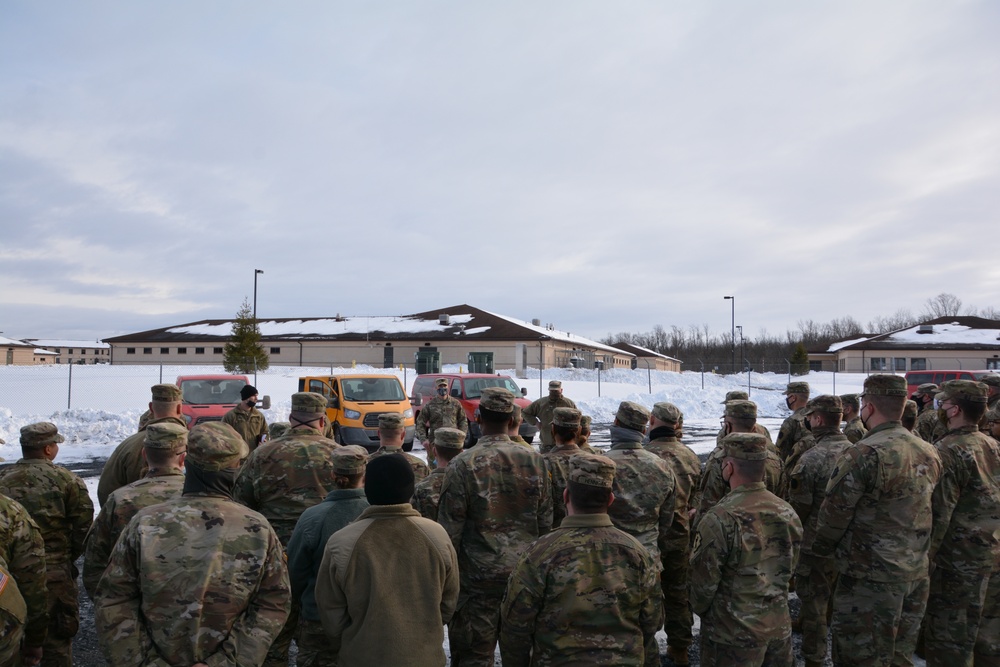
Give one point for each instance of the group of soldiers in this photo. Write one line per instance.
(222, 545)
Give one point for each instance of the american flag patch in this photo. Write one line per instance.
(3, 581)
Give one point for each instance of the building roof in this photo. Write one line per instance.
(641, 351)
(953, 333)
(13, 342)
(61, 343)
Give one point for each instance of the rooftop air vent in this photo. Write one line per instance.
(925, 329)
(444, 319)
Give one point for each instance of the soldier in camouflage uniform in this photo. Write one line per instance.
(125, 465)
(992, 382)
(876, 520)
(965, 539)
(584, 593)
(13, 614)
(744, 552)
(22, 552)
(539, 413)
(929, 428)
(391, 434)
(816, 573)
(514, 427)
(565, 431)
(282, 479)
(793, 428)
(757, 428)
(988, 640)
(199, 579)
(246, 419)
(305, 550)
(280, 430)
(581, 440)
(909, 418)
(854, 430)
(495, 501)
(163, 452)
(59, 503)
(442, 410)
(807, 442)
(675, 552)
(448, 443)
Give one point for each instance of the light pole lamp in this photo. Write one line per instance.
(732, 299)
(255, 272)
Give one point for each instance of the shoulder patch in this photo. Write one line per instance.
(697, 543)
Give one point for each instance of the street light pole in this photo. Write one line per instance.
(255, 272)
(733, 300)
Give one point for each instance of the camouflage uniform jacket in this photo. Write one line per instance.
(281, 479)
(440, 412)
(420, 469)
(807, 482)
(557, 463)
(126, 465)
(495, 501)
(714, 488)
(757, 428)
(792, 430)
(929, 427)
(743, 556)
(539, 413)
(807, 442)
(877, 512)
(581, 595)
(250, 424)
(966, 533)
(158, 486)
(855, 429)
(23, 552)
(196, 579)
(57, 500)
(427, 494)
(645, 493)
(305, 549)
(686, 467)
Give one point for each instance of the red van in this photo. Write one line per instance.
(916, 378)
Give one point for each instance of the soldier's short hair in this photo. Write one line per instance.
(588, 499)
(909, 418)
(566, 433)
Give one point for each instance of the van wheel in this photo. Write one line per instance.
(336, 434)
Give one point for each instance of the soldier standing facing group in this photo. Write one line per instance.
(246, 419)
(540, 412)
(441, 411)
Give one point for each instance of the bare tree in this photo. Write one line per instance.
(943, 305)
(990, 313)
(901, 319)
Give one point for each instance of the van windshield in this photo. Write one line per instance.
(474, 386)
(211, 392)
(371, 389)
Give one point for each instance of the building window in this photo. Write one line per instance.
(182, 350)
(899, 364)
(918, 364)
(70, 351)
(128, 350)
(199, 350)
(58, 350)
(164, 350)
(147, 350)
(993, 364)
(216, 350)
(83, 350)
(878, 363)
(275, 350)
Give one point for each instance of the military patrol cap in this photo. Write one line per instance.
(309, 401)
(40, 434)
(585, 422)
(967, 390)
(993, 414)
(797, 388)
(741, 409)
(566, 417)
(555, 384)
(350, 460)
(738, 395)
(168, 393)
(851, 400)
(885, 385)
(632, 415)
(497, 399)
(215, 446)
(277, 430)
(449, 438)
(667, 412)
(927, 389)
(825, 403)
(991, 380)
(910, 409)
(166, 436)
(390, 421)
(441, 382)
(747, 446)
(592, 470)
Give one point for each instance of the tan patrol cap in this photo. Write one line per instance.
(632, 415)
(738, 395)
(214, 446)
(885, 385)
(555, 384)
(350, 460)
(497, 399)
(747, 446)
(585, 421)
(449, 438)
(824, 403)
(566, 417)
(309, 402)
(667, 412)
(167, 393)
(797, 388)
(166, 436)
(441, 382)
(927, 388)
(963, 389)
(851, 400)
(991, 380)
(592, 470)
(741, 409)
(391, 421)
(40, 434)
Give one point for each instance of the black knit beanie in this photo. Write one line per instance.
(389, 480)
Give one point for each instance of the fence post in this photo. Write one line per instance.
(69, 389)
(702, 373)
(834, 381)
(789, 369)
(598, 381)
(161, 373)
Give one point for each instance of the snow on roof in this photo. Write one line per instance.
(60, 343)
(556, 334)
(846, 343)
(651, 353)
(41, 350)
(944, 334)
(9, 342)
(330, 326)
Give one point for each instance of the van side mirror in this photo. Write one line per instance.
(334, 401)
(265, 403)
(524, 391)
(415, 399)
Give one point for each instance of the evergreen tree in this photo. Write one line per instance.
(800, 360)
(243, 352)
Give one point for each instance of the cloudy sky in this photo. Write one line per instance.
(603, 166)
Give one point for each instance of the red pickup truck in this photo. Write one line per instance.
(468, 388)
(207, 398)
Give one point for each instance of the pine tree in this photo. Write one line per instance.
(243, 352)
(800, 360)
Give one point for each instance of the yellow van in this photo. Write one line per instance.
(354, 403)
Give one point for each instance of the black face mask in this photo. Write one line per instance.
(808, 424)
(861, 414)
(251, 404)
(442, 392)
(788, 402)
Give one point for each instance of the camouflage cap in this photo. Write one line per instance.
(910, 409)
(797, 388)
(40, 434)
(449, 438)
(308, 401)
(497, 399)
(991, 380)
(632, 415)
(441, 382)
(967, 390)
(748, 446)
(927, 389)
(585, 421)
(566, 417)
(277, 430)
(741, 409)
(592, 470)
(168, 393)
(667, 412)
(166, 436)
(555, 384)
(391, 421)
(214, 446)
(993, 414)
(738, 395)
(885, 385)
(350, 460)
(850, 400)
(824, 403)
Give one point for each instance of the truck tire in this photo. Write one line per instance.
(336, 433)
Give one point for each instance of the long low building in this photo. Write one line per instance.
(458, 334)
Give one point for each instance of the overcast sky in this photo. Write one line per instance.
(604, 166)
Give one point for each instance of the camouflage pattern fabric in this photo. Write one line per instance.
(775, 653)
(714, 488)
(583, 594)
(196, 579)
(126, 465)
(951, 621)
(757, 428)
(557, 463)
(798, 449)
(815, 581)
(792, 430)
(539, 414)
(439, 412)
(987, 651)
(313, 645)
(250, 424)
(744, 552)
(13, 612)
(876, 622)
(23, 554)
(929, 427)
(157, 487)
(420, 469)
(427, 494)
(855, 429)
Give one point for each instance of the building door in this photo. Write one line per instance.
(387, 357)
(10, 357)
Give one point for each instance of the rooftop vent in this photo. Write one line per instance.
(925, 329)
(536, 322)
(444, 319)
(339, 318)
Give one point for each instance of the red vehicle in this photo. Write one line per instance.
(207, 398)
(468, 388)
(916, 378)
